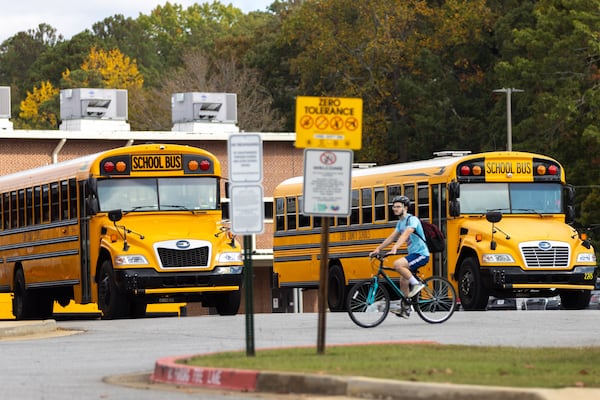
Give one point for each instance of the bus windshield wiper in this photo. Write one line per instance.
(176, 206)
(136, 208)
(529, 211)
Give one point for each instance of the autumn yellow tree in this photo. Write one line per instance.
(38, 110)
(106, 69)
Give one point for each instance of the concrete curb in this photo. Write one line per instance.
(10, 329)
(172, 370)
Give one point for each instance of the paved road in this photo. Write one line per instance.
(74, 366)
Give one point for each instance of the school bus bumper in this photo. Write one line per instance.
(581, 277)
(181, 285)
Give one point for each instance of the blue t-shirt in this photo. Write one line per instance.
(416, 245)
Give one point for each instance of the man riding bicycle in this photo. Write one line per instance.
(410, 231)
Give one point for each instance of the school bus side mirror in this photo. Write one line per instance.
(115, 215)
(92, 186)
(454, 208)
(453, 190)
(92, 205)
(570, 214)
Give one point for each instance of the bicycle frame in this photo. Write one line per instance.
(369, 301)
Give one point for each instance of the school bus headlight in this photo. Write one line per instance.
(229, 270)
(497, 258)
(586, 257)
(130, 259)
(229, 257)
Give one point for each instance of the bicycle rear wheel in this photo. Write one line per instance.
(368, 306)
(436, 302)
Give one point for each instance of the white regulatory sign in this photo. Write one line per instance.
(245, 158)
(327, 182)
(246, 209)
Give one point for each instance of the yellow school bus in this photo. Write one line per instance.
(506, 217)
(123, 228)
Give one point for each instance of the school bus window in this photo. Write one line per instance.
(379, 204)
(438, 201)
(21, 201)
(13, 210)
(37, 205)
(367, 205)
(291, 213)
(303, 220)
(409, 191)
(342, 221)
(355, 213)
(64, 200)
(73, 198)
(46, 203)
(5, 211)
(54, 201)
(393, 191)
(423, 200)
(29, 206)
(279, 214)
(3, 216)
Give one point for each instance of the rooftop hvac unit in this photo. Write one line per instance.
(99, 104)
(4, 102)
(204, 107)
(5, 124)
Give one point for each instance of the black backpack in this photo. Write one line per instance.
(434, 237)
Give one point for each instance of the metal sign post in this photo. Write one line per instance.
(327, 182)
(246, 210)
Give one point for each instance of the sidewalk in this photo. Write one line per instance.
(172, 370)
(13, 329)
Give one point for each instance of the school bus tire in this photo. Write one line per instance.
(473, 296)
(111, 302)
(336, 289)
(228, 303)
(575, 299)
(22, 301)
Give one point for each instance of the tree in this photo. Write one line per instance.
(199, 75)
(19, 52)
(106, 69)
(555, 59)
(408, 61)
(38, 110)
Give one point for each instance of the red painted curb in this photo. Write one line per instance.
(167, 370)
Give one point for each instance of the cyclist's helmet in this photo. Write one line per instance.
(401, 199)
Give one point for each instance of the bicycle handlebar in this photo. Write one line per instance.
(379, 256)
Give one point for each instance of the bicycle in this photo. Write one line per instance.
(368, 302)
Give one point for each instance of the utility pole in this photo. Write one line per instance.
(508, 92)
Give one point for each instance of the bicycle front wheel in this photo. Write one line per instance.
(367, 304)
(436, 302)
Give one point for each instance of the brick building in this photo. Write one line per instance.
(25, 149)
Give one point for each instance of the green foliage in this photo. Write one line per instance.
(426, 71)
(495, 366)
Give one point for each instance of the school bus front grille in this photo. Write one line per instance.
(556, 257)
(173, 258)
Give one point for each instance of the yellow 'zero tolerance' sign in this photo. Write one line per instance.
(328, 122)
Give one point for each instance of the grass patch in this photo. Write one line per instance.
(499, 366)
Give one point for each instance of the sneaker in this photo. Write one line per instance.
(415, 289)
(396, 306)
(404, 312)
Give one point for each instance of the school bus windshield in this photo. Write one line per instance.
(511, 198)
(158, 194)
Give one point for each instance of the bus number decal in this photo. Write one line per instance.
(588, 276)
(160, 162)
